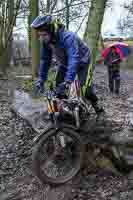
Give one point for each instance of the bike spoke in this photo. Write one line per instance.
(59, 162)
(59, 156)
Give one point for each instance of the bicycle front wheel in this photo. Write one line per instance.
(56, 157)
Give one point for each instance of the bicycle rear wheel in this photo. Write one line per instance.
(54, 163)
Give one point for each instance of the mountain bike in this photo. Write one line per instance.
(56, 156)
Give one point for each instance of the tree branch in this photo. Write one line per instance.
(82, 22)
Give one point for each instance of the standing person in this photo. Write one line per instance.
(72, 55)
(112, 61)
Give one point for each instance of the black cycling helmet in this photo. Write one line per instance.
(46, 22)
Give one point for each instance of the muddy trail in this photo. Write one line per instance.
(17, 181)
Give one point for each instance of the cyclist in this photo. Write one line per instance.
(72, 55)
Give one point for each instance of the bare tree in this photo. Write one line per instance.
(93, 30)
(35, 44)
(72, 12)
(125, 24)
(67, 13)
(8, 12)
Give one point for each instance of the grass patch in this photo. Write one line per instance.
(129, 42)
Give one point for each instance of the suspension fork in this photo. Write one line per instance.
(76, 116)
(50, 110)
(53, 112)
(53, 118)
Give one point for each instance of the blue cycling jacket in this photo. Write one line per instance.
(71, 53)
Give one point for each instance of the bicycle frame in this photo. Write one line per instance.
(71, 105)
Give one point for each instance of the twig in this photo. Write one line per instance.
(82, 22)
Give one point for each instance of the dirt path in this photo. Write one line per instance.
(17, 181)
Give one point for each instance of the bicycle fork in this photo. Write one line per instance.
(53, 111)
(76, 116)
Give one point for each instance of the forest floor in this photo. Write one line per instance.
(17, 181)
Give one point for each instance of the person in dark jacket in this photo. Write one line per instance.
(72, 54)
(113, 63)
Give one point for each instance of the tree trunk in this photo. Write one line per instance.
(48, 6)
(29, 30)
(4, 63)
(35, 44)
(93, 29)
(6, 53)
(91, 37)
(67, 14)
(10, 17)
(9, 11)
(101, 42)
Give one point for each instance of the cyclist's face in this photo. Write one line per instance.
(44, 36)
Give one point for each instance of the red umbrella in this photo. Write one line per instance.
(118, 43)
(120, 47)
